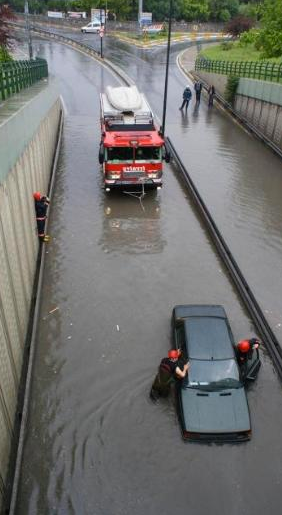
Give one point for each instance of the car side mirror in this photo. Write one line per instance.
(101, 154)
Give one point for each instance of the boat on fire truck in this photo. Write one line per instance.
(132, 148)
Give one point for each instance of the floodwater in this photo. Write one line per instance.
(115, 268)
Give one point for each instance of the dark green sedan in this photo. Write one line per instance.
(212, 399)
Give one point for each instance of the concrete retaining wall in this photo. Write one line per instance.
(27, 143)
(219, 81)
(258, 102)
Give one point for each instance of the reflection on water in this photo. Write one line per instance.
(131, 226)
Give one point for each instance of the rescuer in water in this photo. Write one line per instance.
(187, 95)
(245, 349)
(41, 204)
(170, 370)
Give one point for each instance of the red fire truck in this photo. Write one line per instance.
(132, 148)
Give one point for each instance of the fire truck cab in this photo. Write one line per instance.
(131, 149)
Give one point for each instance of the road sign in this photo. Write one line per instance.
(102, 32)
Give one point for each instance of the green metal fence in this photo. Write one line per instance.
(16, 75)
(252, 69)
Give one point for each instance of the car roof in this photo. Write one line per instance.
(208, 337)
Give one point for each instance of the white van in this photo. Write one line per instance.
(93, 26)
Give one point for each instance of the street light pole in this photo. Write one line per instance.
(101, 37)
(140, 10)
(27, 26)
(167, 68)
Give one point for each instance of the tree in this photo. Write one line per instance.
(5, 34)
(238, 25)
(270, 36)
(195, 10)
(220, 9)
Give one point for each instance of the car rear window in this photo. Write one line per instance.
(208, 338)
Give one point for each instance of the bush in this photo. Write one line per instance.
(226, 45)
(231, 88)
(238, 25)
(4, 54)
(249, 38)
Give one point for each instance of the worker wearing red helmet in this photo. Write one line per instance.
(245, 349)
(41, 204)
(170, 370)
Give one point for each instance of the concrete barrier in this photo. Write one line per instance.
(28, 139)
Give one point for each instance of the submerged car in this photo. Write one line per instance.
(212, 399)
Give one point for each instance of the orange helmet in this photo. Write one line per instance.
(244, 346)
(173, 354)
(37, 195)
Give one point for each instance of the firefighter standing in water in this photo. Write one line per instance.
(41, 204)
(245, 349)
(170, 370)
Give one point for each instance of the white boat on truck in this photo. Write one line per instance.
(132, 148)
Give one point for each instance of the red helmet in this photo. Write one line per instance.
(37, 195)
(244, 346)
(173, 354)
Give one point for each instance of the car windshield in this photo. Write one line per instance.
(213, 374)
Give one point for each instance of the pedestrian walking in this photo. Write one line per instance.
(170, 370)
(198, 89)
(41, 204)
(187, 95)
(211, 93)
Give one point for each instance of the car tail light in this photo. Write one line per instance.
(188, 434)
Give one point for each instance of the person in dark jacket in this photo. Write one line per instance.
(170, 370)
(187, 95)
(211, 93)
(198, 89)
(41, 204)
(245, 349)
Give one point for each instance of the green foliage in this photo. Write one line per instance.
(250, 10)
(226, 45)
(270, 36)
(4, 54)
(249, 38)
(195, 10)
(231, 88)
(221, 9)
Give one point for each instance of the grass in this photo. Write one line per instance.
(231, 51)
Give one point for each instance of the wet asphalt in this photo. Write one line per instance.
(95, 443)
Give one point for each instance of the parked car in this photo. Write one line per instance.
(93, 26)
(212, 399)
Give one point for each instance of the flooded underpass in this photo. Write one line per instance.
(95, 444)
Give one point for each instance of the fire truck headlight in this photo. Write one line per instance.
(113, 176)
(153, 175)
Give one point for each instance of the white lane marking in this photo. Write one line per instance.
(64, 105)
(179, 66)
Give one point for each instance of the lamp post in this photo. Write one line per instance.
(101, 35)
(167, 68)
(27, 26)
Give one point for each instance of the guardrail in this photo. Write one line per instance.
(256, 313)
(251, 69)
(17, 75)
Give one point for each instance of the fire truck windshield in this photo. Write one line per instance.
(148, 154)
(129, 154)
(117, 154)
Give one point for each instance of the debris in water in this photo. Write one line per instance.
(53, 310)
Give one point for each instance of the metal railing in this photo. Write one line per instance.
(17, 75)
(252, 69)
